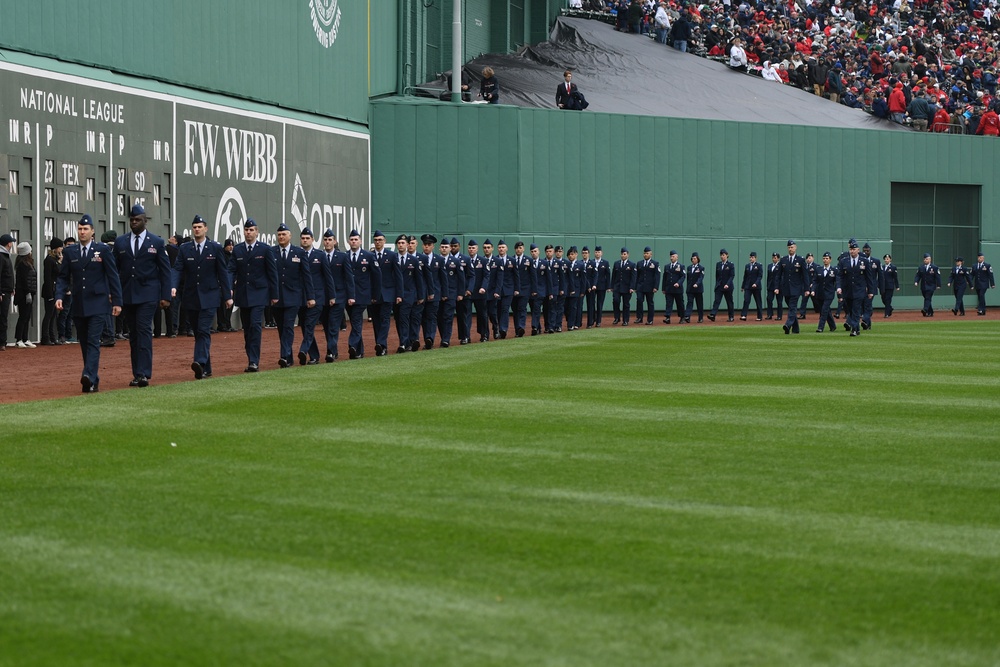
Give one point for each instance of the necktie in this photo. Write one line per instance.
(284, 253)
(136, 252)
(355, 260)
(380, 257)
(83, 252)
(199, 249)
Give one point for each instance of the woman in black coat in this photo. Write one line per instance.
(50, 271)
(25, 290)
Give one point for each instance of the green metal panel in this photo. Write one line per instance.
(383, 65)
(284, 52)
(476, 21)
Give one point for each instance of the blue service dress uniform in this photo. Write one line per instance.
(695, 280)
(324, 290)
(453, 292)
(602, 283)
(794, 281)
(332, 317)
(623, 281)
(928, 279)
(982, 280)
(890, 284)
(435, 276)
(647, 282)
(295, 289)
(90, 275)
(367, 293)
(674, 275)
(811, 268)
(145, 278)
(478, 285)
(412, 294)
(825, 286)
(391, 291)
(560, 279)
(255, 284)
(541, 296)
(774, 290)
(576, 276)
(520, 303)
(725, 279)
(205, 279)
(855, 281)
(866, 311)
(505, 282)
(959, 281)
(753, 276)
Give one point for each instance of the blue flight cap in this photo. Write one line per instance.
(753, 253)
(586, 249)
(354, 232)
(472, 242)
(597, 247)
(283, 228)
(694, 255)
(826, 254)
(533, 247)
(959, 259)
(723, 252)
(378, 232)
(306, 232)
(866, 247)
(328, 234)
(453, 241)
(499, 243)
(572, 248)
(136, 211)
(852, 244)
(673, 252)
(927, 255)
(249, 223)
(86, 220)
(790, 243)
(624, 249)
(198, 218)
(647, 249)
(487, 242)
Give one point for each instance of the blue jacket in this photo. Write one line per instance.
(412, 287)
(673, 273)
(793, 275)
(647, 277)
(367, 278)
(602, 273)
(544, 285)
(295, 280)
(504, 277)
(453, 278)
(342, 272)
(434, 274)
(322, 276)
(254, 275)
(982, 277)
(145, 278)
(695, 279)
(752, 275)
(623, 277)
(890, 278)
(725, 275)
(525, 275)
(392, 277)
(480, 276)
(855, 282)
(93, 282)
(201, 280)
(928, 277)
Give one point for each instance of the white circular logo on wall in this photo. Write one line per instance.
(229, 222)
(326, 20)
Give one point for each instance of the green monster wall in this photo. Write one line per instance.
(688, 185)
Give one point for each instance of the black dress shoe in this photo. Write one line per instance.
(208, 374)
(503, 335)
(711, 317)
(615, 322)
(302, 359)
(143, 381)
(731, 319)
(866, 326)
(597, 326)
(199, 371)
(428, 343)
(769, 317)
(758, 319)
(330, 357)
(352, 353)
(855, 333)
(134, 382)
(251, 368)
(283, 363)
(624, 324)
(384, 353)
(378, 350)
(312, 362)
(445, 343)
(701, 320)
(786, 329)
(742, 319)
(819, 331)
(464, 341)
(483, 339)
(687, 320)
(847, 327)
(414, 346)
(400, 350)
(519, 332)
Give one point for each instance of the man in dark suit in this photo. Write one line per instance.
(753, 274)
(794, 283)
(568, 96)
(412, 296)
(647, 283)
(90, 274)
(295, 290)
(526, 280)
(982, 280)
(144, 270)
(323, 291)
(774, 286)
(505, 284)
(254, 278)
(623, 282)
(342, 273)
(201, 269)
(928, 279)
(367, 292)
(389, 293)
(725, 279)
(673, 287)
(453, 292)
(855, 282)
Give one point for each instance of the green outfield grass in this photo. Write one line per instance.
(642, 496)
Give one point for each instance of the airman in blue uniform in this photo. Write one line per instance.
(391, 292)
(323, 291)
(526, 279)
(412, 295)
(774, 286)
(647, 284)
(959, 280)
(367, 292)
(753, 275)
(295, 290)
(623, 286)
(794, 281)
(435, 276)
(890, 284)
(825, 287)
(725, 278)
(928, 279)
(332, 317)
(202, 269)
(576, 279)
(542, 294)
(453, 292)
(255, 287)
(144, 271)
(695, 280)
(602, 284)
(560, 278)
(982, 280)
(88, 272)
(811, 268)
(674, 274)
(505, 284)
(855, 281)
(480, 282)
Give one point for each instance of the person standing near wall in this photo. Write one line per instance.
(50, 273)
(890, 284)
(673, 287)
(25, 292)
(489, 87)
(725, 275)
(623, 280)
(774, 286)
(959, 280)
(928, 279)
(982, 280)
(753, 274)
(794, 285)
(695, 288)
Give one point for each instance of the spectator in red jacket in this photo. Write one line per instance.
(897, 104)
(942, 119)
(989, 124)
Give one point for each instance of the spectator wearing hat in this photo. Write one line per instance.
(855, 281)
(695, 280)
(725, 276)
(890, 284)
(200, 280)
(647, 282)
(144, 270)
(959, 280)
(989, 124)
(661, 22)
(505, 284)
(818, 72)
(526, 281)
(753, 275)
(794, 280)
(673, 287)
(623, 277)
(835, 82)
(737, 56)
(7, 283)
(324, 292)
(774, 287)
(25, 292)
(928, 279)
(295, 290)
(50, 272)
(982, 280)
(825, 289)
(897, 103)
(254, 276)
(680, 33)
(88, 272)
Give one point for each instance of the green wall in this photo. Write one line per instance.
(266, 50)
(689, 185)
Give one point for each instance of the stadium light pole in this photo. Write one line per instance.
(456, 51)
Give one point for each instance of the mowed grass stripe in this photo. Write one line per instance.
(703, 496)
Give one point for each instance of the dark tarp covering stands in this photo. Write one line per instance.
(632, 74)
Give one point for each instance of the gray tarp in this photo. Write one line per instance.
(632, 74)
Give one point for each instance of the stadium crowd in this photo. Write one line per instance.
(931, 64)
(428, 290)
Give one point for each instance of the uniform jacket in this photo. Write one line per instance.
(145, 277)
(254, 275)
(982, 276)
(558, 268)
(505, 279)
(695, 279)
(825, 283)
(480, 276)
(647, 275)
(793, 275)
(960, 278)
(773, 277)
(434, 275)
(200, 280)
(342, 272)
(453, 279)
(91, 281)
(753, 274)
(367, 277)
(890, 278)
(623, 277)
(392, 276)
(855, 282)
(928, 277)
(544, 285)
(673, 273)
(295, 278)
(576, 278)
(602, 271)
(413, 279)
(322, 276)
(725, 275)
(877, 267)
(525, 275)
